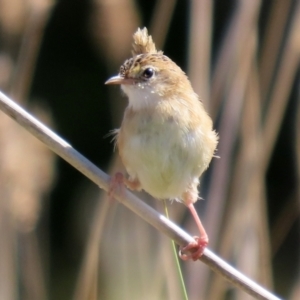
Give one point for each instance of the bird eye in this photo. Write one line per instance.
(148, 73)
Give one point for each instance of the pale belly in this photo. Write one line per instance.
(165, 159)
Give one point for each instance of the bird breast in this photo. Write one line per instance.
(163, 152)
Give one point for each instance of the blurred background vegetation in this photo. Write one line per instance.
(59, 236)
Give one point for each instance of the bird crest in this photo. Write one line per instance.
(143, 43)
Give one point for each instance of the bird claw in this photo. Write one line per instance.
(195, 249)
(133, 184)
(116, 185)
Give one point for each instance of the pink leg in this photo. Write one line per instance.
(133, 185)
(196, 249)
(117, 184)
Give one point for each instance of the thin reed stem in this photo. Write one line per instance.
(177, 260)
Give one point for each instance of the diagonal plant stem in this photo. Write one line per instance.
(160, 222)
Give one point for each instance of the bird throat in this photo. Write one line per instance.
(141, 96)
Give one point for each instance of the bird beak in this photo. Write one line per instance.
(120, 80)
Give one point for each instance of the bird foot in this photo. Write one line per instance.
(116, 185)
(132, 184)
(195, 249)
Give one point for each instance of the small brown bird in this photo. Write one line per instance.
(166, 140)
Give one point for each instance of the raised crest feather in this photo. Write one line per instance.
(143, 43)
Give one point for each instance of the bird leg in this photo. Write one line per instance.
(132, 184)
(196, 248)
(118, 181)
(116, 185)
